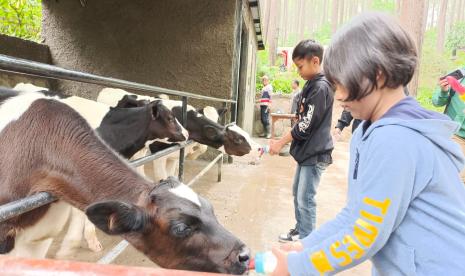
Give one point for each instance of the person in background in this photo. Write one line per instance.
(265, 106)
(444, 95)
(311, 142)
(345, 120)
(295, 97)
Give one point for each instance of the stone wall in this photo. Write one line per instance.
(20, 48)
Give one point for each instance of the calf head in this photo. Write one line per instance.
(238, 142)
(175, 228)
(164, 124)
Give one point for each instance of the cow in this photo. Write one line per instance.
(46, 146)
(230, 139)
(125, 130)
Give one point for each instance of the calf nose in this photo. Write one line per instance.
(244, 256)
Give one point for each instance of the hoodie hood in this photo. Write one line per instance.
(437, 127)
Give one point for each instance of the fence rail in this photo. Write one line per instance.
(22, 66)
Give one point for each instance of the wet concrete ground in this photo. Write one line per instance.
(253, 201)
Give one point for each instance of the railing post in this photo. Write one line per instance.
(220, 165)
(181, 152)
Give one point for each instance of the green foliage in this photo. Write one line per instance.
(323, 35)
(456, 37)
(21, 18)
(383, 5)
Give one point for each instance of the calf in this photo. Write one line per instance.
(46, 146)
(125, 130)
(231, 139)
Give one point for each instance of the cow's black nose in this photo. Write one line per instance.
(244, 256)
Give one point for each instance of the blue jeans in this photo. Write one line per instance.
(306, 181)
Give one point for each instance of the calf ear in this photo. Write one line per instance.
(212, 133)
(116, 217)
(155, 110)
(127, 101)
(200, 110)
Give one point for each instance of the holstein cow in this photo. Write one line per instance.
(125, 130)
(230, 139)
(47, 146)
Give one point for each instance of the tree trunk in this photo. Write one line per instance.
(425, 18)
(296, 32)
(433, 15)
(411, 18)
(273, 30)
(340, 20)
(302, 20)
(324, 15)
(284, 23)
(398, 3)
(334, 15)
(267, 20)
(453, 13)
(311, 16)
(441, 26)
(461, 11)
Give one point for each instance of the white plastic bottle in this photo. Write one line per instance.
(265, 262)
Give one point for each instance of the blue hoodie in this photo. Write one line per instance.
(406, 202)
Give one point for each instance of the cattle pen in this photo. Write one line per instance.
(22, 66)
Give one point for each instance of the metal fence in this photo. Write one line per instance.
(37, 69)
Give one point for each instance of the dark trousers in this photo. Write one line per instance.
(265, 115)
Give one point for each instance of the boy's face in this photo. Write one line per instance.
(294, 86)
(307, 67)
(359, 109)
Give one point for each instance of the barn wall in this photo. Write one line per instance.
(179, 44)
(24, 49)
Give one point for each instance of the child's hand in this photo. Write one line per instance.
(444, 84)
(275, 147)
(292, 246)
(281, 267)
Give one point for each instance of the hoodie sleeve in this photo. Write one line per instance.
(440, 97)
(315, 110)
(378, 201)
(345, 120)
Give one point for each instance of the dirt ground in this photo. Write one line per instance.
(253, 201)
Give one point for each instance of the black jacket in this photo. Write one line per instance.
(312, 142)
(346, 119)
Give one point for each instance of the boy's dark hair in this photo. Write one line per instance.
(307, 49)
(296, 82)
(371, 43)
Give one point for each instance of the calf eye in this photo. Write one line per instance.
(181, 230)
(237, 141)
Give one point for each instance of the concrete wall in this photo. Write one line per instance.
(179, 44)
(24, 49)
(247, 88)
(281, 104)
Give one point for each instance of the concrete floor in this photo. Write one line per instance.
(253, 201)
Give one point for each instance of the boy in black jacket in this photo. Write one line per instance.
(311, 136)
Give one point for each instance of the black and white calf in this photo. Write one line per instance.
(231, 139)
(125, 130)
(168, 222)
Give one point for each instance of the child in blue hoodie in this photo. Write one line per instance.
(406, 203)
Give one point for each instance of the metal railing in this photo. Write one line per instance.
(22, 66)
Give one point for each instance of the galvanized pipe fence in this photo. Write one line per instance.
(37, 69)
